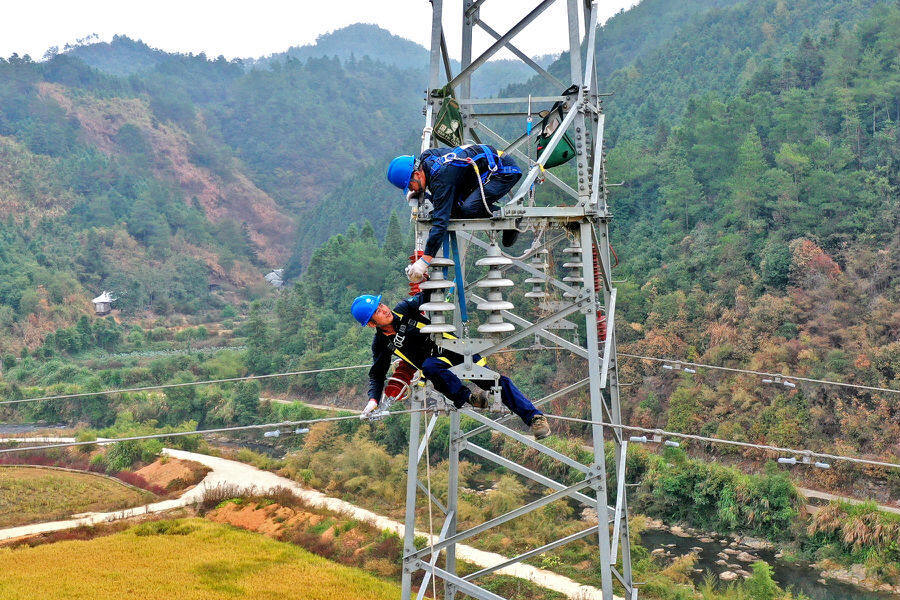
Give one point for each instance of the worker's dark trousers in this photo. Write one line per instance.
(472, 207)
(446, 382)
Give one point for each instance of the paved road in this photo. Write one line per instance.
(231, 472)
(826, 496)
(809, 493)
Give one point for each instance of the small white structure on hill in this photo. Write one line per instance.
(103, 303)
(276, 278)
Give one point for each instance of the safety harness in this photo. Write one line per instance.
(421, 348)
(491, 158)
(488, 154)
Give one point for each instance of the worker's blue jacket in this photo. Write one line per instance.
(452, 183)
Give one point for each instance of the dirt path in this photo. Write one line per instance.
(231, 472)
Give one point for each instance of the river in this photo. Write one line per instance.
(800, 577)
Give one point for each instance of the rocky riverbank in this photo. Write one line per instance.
(729, 557)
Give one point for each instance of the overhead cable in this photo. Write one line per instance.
(761, 373)
(184, 384)
(712, 440)
(152, 436)
(778, 377)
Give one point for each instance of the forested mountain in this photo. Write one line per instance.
(761, 229)
(158, 186)
(121, 56)
(757, 225)
(656, 56)
(363, 39)
(164, 176)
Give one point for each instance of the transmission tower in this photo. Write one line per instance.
(585, 288)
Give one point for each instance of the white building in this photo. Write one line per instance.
(103, 303)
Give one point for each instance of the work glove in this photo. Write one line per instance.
(416, 271)
(413, 198)
(371, 406)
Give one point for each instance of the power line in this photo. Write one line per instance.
(713, 440)
(185, 384)
(672, 361)
(761, 373)
(200, 432)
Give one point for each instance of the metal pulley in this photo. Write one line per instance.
(494, 284)
(437, 304)
(539, 262)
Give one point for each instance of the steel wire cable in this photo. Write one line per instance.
(184, 384)
(712, 440)
(104, 441)
(673, 361)
(762, 373)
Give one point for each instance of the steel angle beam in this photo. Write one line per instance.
(538, 168)
(517, 512)
(526, 555)
(426, 437)
(570, 462)
(534, 328)
(548, 398)
(525, 471)
(409, 522)
(464, 586)
(607, 344)
(438, 503)
(501, 42)
(423, 587)
(437, 30)
(547, 335)
(510, 100)
(522, 56)
(475, 6)
(620, 499)
(513, 148)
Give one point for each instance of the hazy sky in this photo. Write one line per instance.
(253, 29)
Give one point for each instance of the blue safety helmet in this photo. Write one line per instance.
(400, 170)
(364, 307)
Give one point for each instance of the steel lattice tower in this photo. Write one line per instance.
(584, 217)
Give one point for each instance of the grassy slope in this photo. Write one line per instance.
(31, 495)
(202, 560)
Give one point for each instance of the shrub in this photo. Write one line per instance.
(176, 527)
(216, 495)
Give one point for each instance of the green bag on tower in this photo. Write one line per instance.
(565, 149)
(448, 125)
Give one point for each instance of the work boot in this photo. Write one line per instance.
(540, 427)
(478, 398)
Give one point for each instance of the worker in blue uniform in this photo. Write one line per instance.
(463, 183)
(398, 333)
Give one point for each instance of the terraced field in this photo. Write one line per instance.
(190, 559)
(36, 494)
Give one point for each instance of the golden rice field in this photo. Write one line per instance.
(189, 559)
(36, 494)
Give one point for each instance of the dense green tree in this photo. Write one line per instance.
(246, 402)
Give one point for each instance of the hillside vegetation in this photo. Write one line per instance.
(188, 559)
(31, 495)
